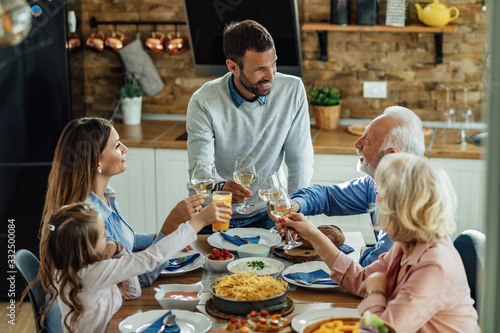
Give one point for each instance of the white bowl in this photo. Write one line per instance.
(219, 265)
(185, 303)
(253, 250)
(272, 267)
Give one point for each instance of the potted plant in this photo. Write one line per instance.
(326, 104)
(131, 101)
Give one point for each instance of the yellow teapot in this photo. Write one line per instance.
(436, 14)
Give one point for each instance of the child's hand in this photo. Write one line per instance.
(215, 212)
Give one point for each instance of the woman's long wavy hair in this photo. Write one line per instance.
(75, 162)
(416, 201)
(67, 245)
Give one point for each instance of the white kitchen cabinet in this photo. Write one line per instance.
(468, 178)
(171, 180)
(334, 169)
(136, 189)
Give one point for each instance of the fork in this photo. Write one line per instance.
(168, 321)
(241, 239)
(178, 261)
(308, 283)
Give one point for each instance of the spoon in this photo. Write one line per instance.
(168, 321)
(178, 261)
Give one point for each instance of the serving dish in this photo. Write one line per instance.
(253, 250)
(309, 328)
(188, 322)
(219, 265)
(243, 307)
(308, 317)
(186, 303)
(272, 267)
(266, 238)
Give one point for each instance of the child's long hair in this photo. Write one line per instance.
(67, 245)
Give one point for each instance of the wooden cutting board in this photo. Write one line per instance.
(359, 129)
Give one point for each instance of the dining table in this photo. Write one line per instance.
(305, 299)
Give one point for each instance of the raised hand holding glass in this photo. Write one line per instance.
(244, 174)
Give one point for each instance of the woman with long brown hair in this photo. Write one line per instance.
(88, 154)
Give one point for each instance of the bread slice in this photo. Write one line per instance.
(301, 254)
(331, 231)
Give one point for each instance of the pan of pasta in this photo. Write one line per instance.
(240, 293)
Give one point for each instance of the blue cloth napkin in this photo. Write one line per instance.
(154, 327)
(254, 240)
(319, 274)
(189, 260)
(345, 248)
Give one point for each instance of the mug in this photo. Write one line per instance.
(96, 41)
(73, 42)
(115, 41)
(176, 45)
(154, 44)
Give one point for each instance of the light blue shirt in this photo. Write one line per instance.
(354, 197)
(113, 221)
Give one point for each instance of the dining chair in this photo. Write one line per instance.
(28, 266)
(470, 244)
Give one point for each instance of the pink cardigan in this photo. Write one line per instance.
(432, 296)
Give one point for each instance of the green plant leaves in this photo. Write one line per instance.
(131, 89)
(325, 96)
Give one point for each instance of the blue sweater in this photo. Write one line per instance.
(357, 196)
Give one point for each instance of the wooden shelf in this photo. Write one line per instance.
(322, 28)
(325, 26)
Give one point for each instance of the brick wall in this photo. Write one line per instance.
(405, 60)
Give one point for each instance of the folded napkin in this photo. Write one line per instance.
(189, 259)
(154, 327)
(345, 248)
(254, 240)
(319, 274)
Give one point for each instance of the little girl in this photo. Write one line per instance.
(72, 264)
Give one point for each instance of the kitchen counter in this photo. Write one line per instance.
(443, 143)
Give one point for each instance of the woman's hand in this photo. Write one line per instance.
(215, 212)
(376, 281)
(182, 212)
(303, 226)
(239, 191)
(111, 249)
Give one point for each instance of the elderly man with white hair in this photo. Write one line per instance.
(397, 129)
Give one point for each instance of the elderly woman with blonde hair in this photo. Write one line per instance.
(420, 285)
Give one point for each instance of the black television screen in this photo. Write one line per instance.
(207, 18)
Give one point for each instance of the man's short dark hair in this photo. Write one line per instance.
(238, 37)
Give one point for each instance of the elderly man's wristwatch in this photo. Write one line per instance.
(219, 186)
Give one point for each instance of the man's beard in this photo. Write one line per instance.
(253, 88)
(366, 166)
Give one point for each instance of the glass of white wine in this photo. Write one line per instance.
(281, 207)
(270, 189)
(203, 178)
(244, 174)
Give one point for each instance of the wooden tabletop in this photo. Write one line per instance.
(305, 299)
(444, 143)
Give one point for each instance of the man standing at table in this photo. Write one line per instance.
(398, 129)
(251, 111)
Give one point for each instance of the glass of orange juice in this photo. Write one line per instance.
(221, 196)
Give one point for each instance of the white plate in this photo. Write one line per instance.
(195, 264)
(308, 317)
(266, 238)
(188, 322)
(308, 267)
(276, 264)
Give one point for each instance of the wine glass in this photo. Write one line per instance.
(270, 189)
(202, 178)
(449, 112)
(280, 208)
(244, 174)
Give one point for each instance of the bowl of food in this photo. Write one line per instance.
(367, 323)
(240, 293)
(179, 296)
(253, 250)
(219, 259)
(257, 265)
